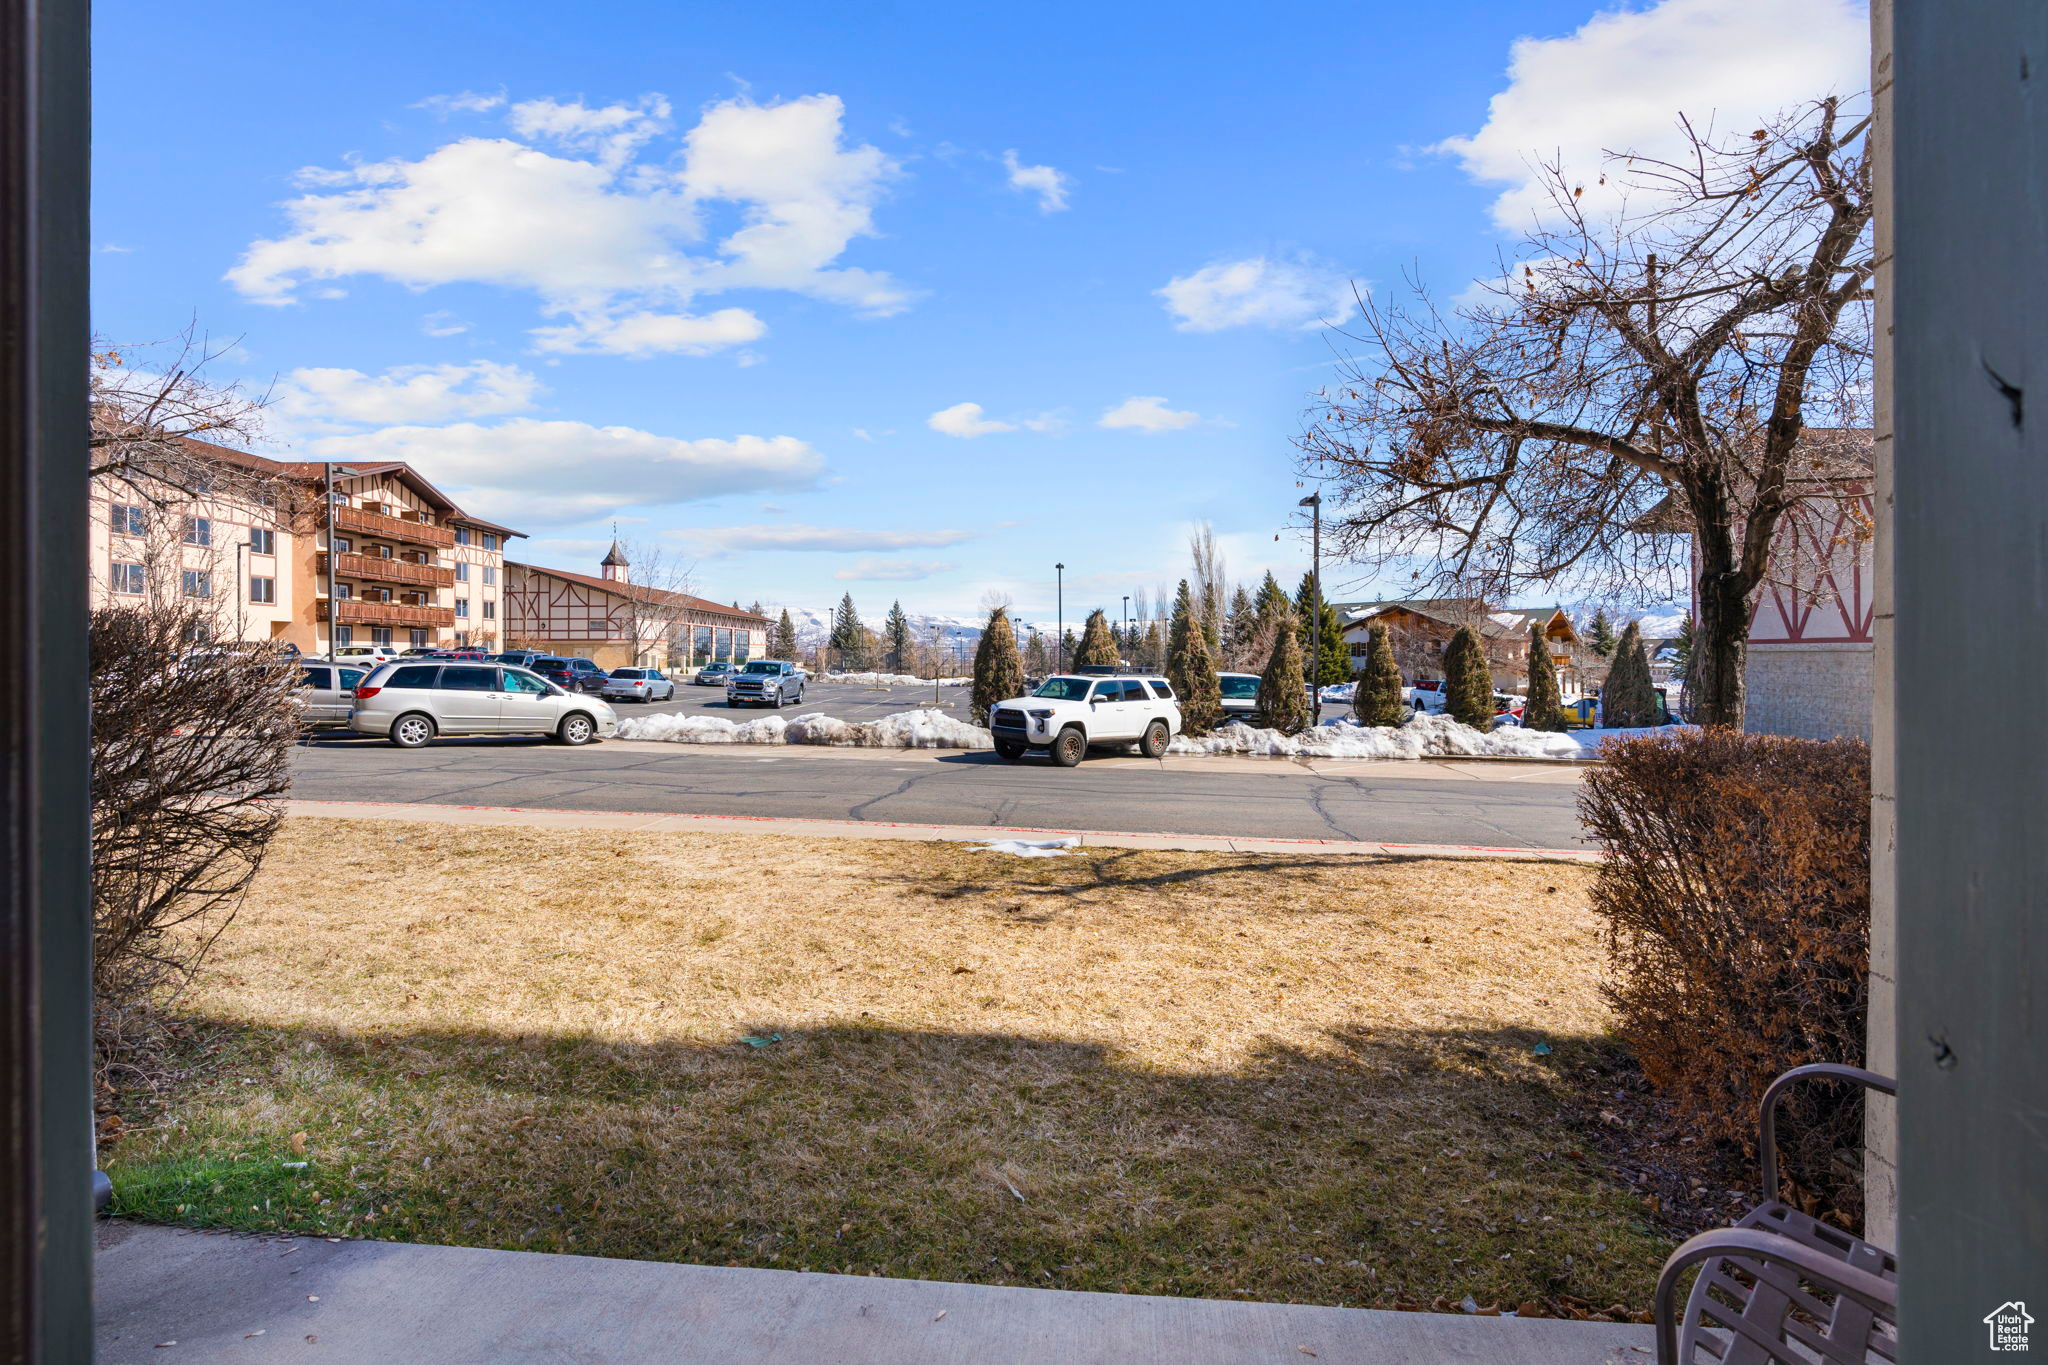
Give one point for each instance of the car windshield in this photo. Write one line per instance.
(762, 668)
(1243, 688)
(1064, 689)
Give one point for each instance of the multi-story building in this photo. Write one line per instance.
(1420, 628)
(405, 566)
(615, 622)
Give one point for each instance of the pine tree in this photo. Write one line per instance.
(1629, 699)
(998, 669)
(1283, 693)
(1190, 668)
(782, 640)
(1098, 642)
(1068, 646)
(1240, 627)
(757, 609)
(1600, 634)
(1468, 682)
(1378, 698)
(849, 639)
(1271, 601)
(1545, 707)
(1333, 663)
(1153, 648)
(896, 640)
(1036, 662)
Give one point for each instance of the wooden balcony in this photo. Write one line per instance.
(356, 612)
(393, 528)
(377, 569)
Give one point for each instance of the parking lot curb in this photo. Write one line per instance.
(796, 827)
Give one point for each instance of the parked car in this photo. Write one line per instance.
(1428, 694)
(765, 682)
(520, 658)
(1070, 712)
(577, 675)
(327, 691)
(639, 684)
(712, 674)
(1240, 696)
(410, 703)
(366, 654)
(417, 650)
(1098, 670)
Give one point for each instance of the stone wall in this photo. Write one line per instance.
(1813, 691)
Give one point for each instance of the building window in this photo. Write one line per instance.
(128, 578)
(462, 637)
(383, 551)
(262, 589)
(490, 611)
(1359, 649)
(490, 541)
(380, 635)
(344, 591)
(198, 583)
(462, 606)
(490, 573)
(344, 635)
(261, 541)
(462, 573)
(342, 545)
(198, 531)
(419, 638)
(126, 519)
(462, 535)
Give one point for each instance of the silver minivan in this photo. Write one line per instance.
(327, 691)
(410, 703)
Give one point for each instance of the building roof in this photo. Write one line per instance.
(615, 558)
(640, 591)
(316, 470)
(1491, 622)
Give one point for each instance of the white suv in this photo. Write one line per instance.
(1068, 713)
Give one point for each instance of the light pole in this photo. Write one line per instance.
(1314, 502)
(1127, 622)
(1059, 639)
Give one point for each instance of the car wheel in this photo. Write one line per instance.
(1070, 748)
(1009, 750)
(1153, 745)
(412, 731)
(576, 728)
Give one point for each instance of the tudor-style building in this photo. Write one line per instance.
(1420, 628)
(615, 622)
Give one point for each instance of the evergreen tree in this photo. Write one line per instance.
(1378, 698)
(998, 669)
(1190, 668)
(1240, 627)
(1545, 707)
(1600, 634)
(1271, 600)
(896, 640)
(1098, 642)
(1036, 661)
(849, 639)
(1681, 647)
(1153, 648)
(757, 609)
(1629, 698)
(782, 640)
(1068, 646)
(1468, 682)
(1333, 663)
(1283, 693)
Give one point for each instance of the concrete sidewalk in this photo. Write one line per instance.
(165, 1295)
(880, 829)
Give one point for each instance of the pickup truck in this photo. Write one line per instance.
(765, 682)
(1068, 712)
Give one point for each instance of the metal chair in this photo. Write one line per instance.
(1780, 1288)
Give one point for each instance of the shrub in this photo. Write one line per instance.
(1190, 669)
(998, 668)
(1629, 698)
(1544, 710)
(1468, 682)
(1283, 687)
(1737, 901)
(1377, 700)
(1098, 642)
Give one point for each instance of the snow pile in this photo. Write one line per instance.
(891, 680)
(1340, 691)
(1028, 848)
(680, 727)
(1421, 736)
(925, 729)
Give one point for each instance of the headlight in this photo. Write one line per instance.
(1041, 715)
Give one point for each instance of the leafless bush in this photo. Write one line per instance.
(1737, 899)
(191, 748)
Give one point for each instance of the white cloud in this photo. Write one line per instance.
(893, 570)
(1259, 291)
(312, 399)
(602, 223)
(442, 323)
(468, 102)
(1149, 415)
(1621, 80)
(965, 420)
(1048, 184)
(553, 473)
(826, 539)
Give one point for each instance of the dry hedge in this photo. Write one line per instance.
(1737, 899)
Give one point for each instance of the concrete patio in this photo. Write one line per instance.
(169, 1295)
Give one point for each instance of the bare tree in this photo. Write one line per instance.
(657, 613)
(1665, 361)
(1211, 585)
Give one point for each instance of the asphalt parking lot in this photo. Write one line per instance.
(847, 701)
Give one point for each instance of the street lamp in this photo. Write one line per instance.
(1127, 619)
(1059, 642)
(1314, 502)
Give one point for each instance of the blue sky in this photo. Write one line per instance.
(732, 274)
